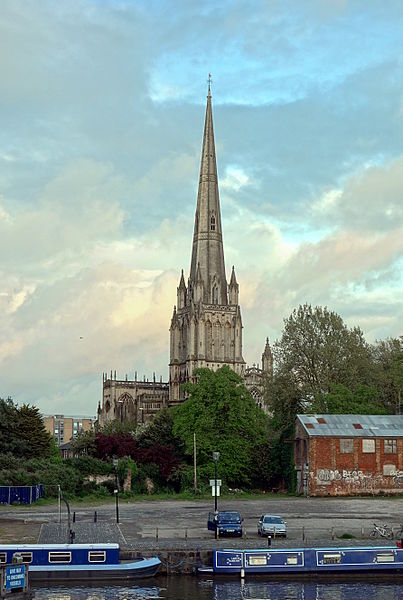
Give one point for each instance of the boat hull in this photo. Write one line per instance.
(328, 562)
(121, 572)
(77, 562)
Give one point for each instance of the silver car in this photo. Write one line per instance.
(272, 525)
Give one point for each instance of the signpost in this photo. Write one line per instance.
(15, 577)
(216, 489)
(212, 485)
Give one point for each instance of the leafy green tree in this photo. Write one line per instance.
(55, 454)
(342, 401)
(160, 433)
(225, 418)
(84, 443)
(318, 350)
(284, 401)
(388, 362)
(88, 465)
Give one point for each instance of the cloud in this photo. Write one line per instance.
(100, 133)
(371, 200)
(355, 269)
(77, 207)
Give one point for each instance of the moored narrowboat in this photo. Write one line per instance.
(302, 561)
(77, 562)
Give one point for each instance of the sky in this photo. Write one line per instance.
(102, 106)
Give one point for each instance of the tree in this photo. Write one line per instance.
(32, 433)
(319, 350)
(84, 443)
(388, 362)
(9, 441)
(363, 400)
(284, 401)
(159, 432)
(225, 418)
(115, 445)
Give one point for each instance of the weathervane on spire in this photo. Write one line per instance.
(209, 80)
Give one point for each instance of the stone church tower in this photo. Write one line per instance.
(206, 326)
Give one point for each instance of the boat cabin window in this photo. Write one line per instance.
(3, 557)
(96, 556)
(258, 560)
(332, 559)
(385, 557)
(26, 557)
(292, 560)
(59, 557)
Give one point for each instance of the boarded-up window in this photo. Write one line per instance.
(390, 446)
(368, 446)
(346, 445)
(389, 470)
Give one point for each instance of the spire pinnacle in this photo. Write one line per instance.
(233, 280)
(209, 81)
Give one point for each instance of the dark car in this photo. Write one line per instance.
(226, 522)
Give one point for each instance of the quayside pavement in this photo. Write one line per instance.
(176, 530)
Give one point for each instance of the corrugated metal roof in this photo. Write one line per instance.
(353, 425)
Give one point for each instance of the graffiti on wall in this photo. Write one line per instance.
(326, 476)
(398, 478)
(356, 479)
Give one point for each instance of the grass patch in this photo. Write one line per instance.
(346, 536)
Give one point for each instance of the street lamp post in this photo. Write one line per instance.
(116, 490)
(216, 456)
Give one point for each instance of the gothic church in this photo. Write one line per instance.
(206, 325)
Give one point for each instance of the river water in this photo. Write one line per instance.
(192, 588)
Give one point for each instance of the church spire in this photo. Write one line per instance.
(208, 251)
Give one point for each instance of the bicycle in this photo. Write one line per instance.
(382, 531)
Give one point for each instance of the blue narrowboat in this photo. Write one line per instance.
(76, 562)
(303, 561)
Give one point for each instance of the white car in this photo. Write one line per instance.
(272, 525)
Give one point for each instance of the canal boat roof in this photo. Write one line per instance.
(59, 546)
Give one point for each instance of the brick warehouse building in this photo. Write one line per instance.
(347, 455)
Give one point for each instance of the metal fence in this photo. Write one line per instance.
(22, 494)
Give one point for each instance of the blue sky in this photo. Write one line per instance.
(101, 117)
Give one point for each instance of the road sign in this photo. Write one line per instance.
(15, 577)
(213, 490)
(212, 482)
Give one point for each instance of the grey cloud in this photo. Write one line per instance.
(372, 200)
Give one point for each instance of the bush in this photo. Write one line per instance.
(87, 465)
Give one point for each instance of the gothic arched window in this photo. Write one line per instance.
(214, 294)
